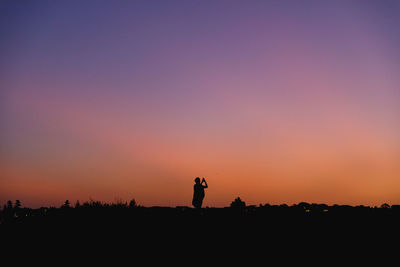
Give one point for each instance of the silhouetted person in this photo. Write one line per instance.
(198, 194)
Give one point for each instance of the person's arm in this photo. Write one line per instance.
(205, 183)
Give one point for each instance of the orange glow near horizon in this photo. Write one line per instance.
(338, 167)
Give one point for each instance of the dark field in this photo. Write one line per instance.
(315, 219)
(311, 230)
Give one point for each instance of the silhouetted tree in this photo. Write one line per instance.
(132, 203)
(17, 204)
(77, 204)
(238, 203)
(9, 204)
(66, 204)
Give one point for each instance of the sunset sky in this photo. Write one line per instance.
(273, 101)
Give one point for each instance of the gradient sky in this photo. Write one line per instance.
(273, 101)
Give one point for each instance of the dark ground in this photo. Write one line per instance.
(305, 230)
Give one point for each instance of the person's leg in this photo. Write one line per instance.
(196, 203)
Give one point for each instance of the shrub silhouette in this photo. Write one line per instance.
(238, 203)
(17, 204)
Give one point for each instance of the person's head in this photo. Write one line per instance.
(197, 180)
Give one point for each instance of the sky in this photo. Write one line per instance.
(272, 101)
